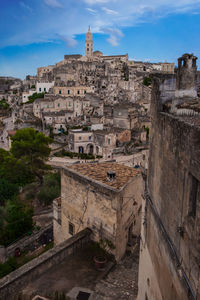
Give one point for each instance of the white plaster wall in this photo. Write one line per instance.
(43, 86)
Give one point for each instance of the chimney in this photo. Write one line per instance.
(111, 175)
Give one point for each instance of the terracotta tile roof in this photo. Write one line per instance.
(11, 132)
(98, 172)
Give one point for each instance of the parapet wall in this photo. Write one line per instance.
(44, 236)
(12, 284)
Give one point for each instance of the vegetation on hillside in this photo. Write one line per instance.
(147, 81)
(32, 148)
(35, 96)
(23, 164)
(4, 104)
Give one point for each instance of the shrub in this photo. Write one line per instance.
(50, 188)
(30, 195)
(8, 267)
(4, 104)
(147, 81)
(17, 221)
(47, 194)
(34, 97)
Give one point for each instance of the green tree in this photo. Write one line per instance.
(34, 97)
(4, 104)
(14, 170)
(147, 81)
(16, 220)
(32, 149)
(7, 190)
(50, 188)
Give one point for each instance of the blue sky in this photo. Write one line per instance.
(36, 33)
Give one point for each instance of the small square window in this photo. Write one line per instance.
(71, 228)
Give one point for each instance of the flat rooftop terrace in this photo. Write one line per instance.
(77, 270)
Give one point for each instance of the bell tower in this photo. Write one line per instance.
(89, 44)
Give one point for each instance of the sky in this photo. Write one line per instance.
(35, 33)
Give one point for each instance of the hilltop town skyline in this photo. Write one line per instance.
(41, 33)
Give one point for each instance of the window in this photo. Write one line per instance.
(87, 49)
(58, 104)
(108, 141)
(78, 92)
(194, 191)
(44, 89)
(79, 138)
(71, 228)
(59, 91)
(85, 92)
(68, 92)
(69, 104)
(90, 138)
(40, 89)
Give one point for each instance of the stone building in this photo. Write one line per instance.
(81, 141)
(100, 142)
(26, 95)
(43, 86)
(43, 70)
(72, 90)
(104, 197)
(169, 252)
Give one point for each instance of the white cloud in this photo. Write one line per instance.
(109, 11)
(73, 19)
(92, 11)
(53, 3)
(115, 35)
(113, 40)
(70, 40)
(93, 2)
(22, 4)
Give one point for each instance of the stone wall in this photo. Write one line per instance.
(30, 243)
(12, 284)
(174, 190)
(160, 271)
(87, 204)
(108, 212)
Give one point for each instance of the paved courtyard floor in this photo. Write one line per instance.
(78, 270)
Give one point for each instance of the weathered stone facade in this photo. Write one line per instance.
(110, 208)
(169, 258)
